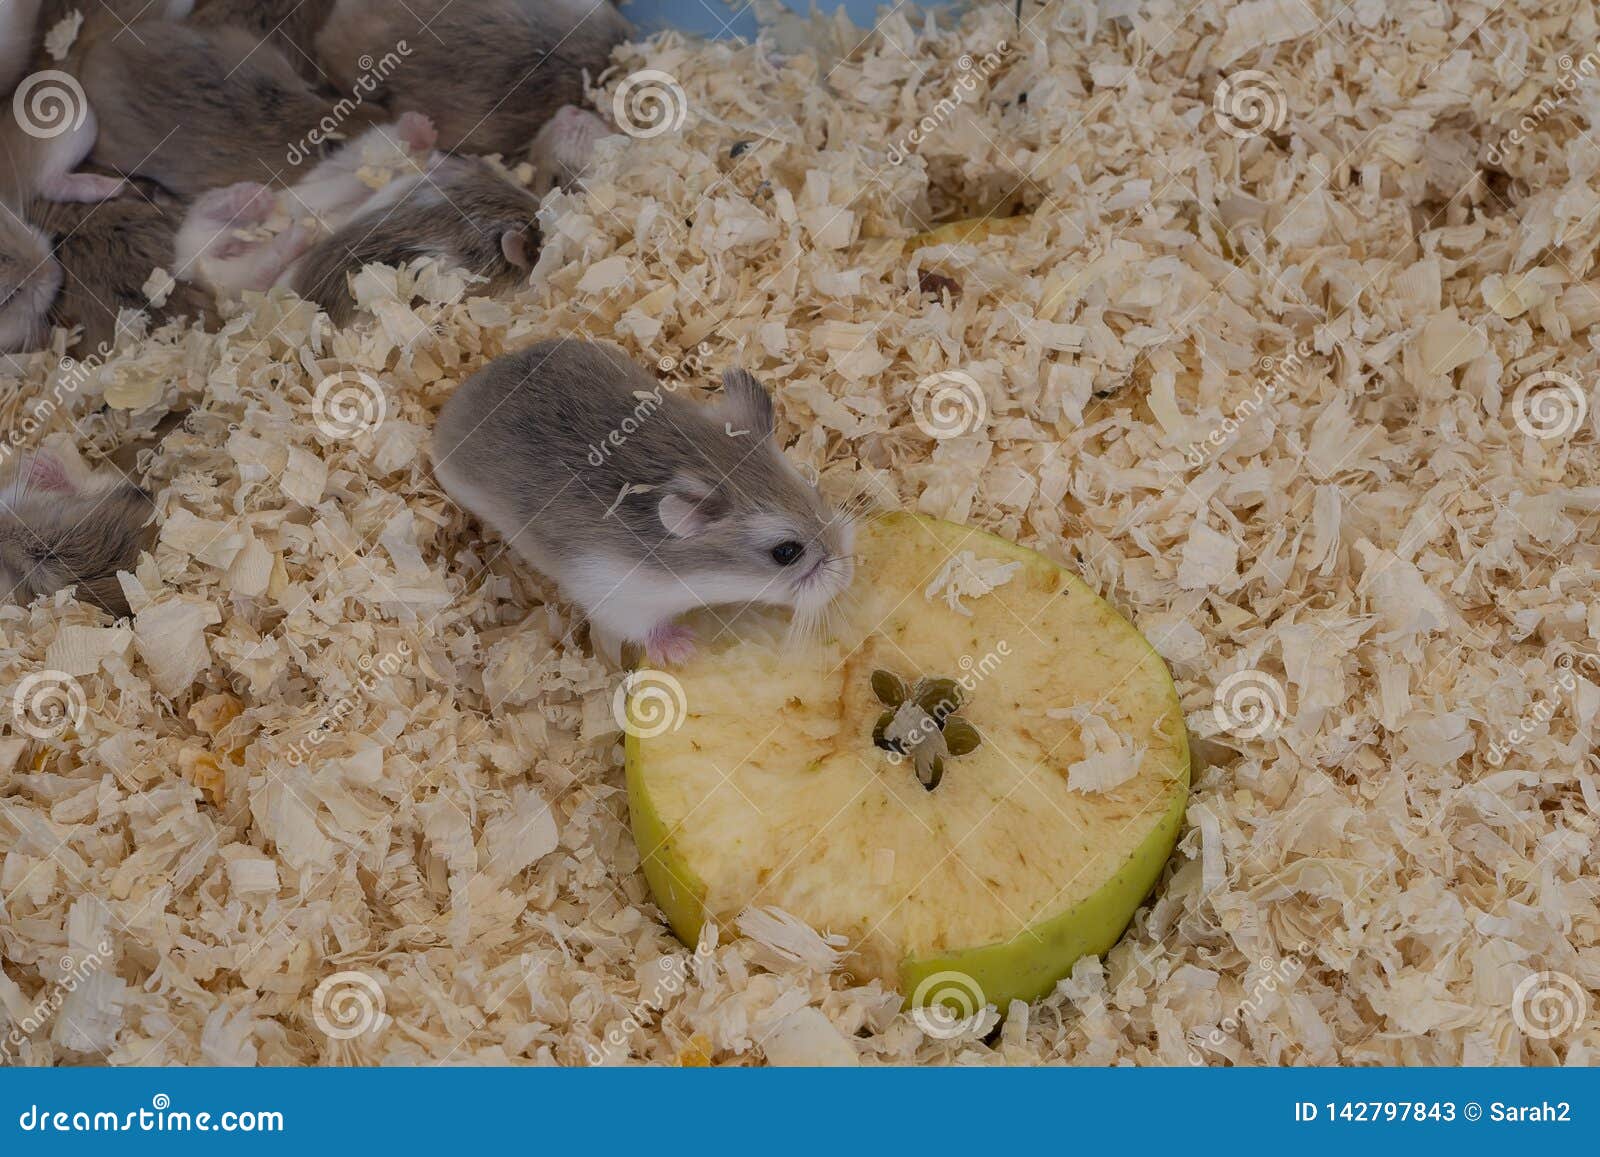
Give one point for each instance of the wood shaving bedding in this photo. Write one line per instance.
(1260, 387)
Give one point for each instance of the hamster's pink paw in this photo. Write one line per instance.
(417, 131)
(670, 644)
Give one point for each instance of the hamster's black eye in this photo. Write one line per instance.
(786, 552)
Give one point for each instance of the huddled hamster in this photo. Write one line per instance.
(30, 278)
(462, 211)
(290, 26)
(211, 252)
(198, 108)
(489, 72)
(640, 505)
(56, 531)
(106, 253)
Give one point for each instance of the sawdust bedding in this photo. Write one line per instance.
(1265, 388)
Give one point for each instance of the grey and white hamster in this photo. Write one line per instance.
(640, 505)
(489, 72)
(462, 211)
(57, 532)
(199, 108)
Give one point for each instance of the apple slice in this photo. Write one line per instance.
(754, 778)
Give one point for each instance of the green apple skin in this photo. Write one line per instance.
(1027, 966)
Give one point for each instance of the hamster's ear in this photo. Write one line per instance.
(48, 473)
(689, 507)
(514, 245)
(747, 403)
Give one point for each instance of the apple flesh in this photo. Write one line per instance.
(768, 790)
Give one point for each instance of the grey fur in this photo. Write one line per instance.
(290, 26)
(199, 108)
(49, 540)
(489, 72)
(541, 443)
(30, 278)
(463, 211)
(107, 253)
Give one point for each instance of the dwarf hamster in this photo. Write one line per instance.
(461, 211)
(211, 252)
(30, 278)
(641, 505)
(290, 26)
(199, 108)
(19, 20)
(564, 147)
(58, 532)
(489, 72)
(107, 253)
